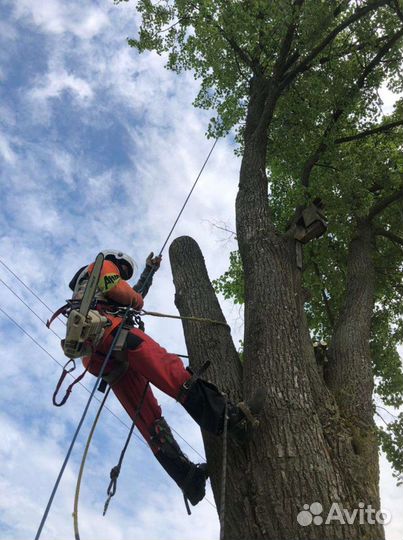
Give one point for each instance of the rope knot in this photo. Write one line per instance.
(115, 471)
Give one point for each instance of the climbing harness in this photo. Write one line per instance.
(114, 342)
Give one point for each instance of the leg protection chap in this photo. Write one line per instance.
(191, 478)
(206, 405)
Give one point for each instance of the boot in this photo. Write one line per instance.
(242, 418)
(206, 405)
(191, 478)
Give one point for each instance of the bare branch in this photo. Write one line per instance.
(369, 132)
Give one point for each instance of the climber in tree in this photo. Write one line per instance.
(143, 360)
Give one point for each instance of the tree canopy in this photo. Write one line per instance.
(328, 138)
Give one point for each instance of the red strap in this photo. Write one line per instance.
(70, 387)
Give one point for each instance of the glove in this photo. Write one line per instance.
(138, 301)
(154, 262)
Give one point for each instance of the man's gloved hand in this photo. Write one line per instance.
(154, 262)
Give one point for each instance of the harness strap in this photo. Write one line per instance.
(187, 385)
(121, 364)
(70, 387)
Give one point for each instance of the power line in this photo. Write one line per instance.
(61, 365)
(97, 399)
(28, 307)
(29, 288)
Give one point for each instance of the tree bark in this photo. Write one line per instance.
(349, 372)
(304, 451)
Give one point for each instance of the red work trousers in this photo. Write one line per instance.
(148, 361)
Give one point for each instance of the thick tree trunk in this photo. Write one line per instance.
(303, 452)
(290, 461)
(349, 372)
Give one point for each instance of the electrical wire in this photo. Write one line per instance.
(107, 356)
(72, 376)
(28, 307)
(29, 288)
(97, 399)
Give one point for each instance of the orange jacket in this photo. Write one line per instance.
(114, 288)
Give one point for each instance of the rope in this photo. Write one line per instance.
(196, 319)
(152, 271)
(89, 391)
(188, 197)
(155, 268)
(115, 471)
(22, 329)
(224, 472)
(45, 515)
(81, 471)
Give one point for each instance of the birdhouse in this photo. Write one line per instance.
(310, 223)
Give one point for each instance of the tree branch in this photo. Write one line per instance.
(305, 63)
(398, 10)
(323, 145)
(283, 62)
(384, 203)
(369, 132)
(243, 55)
(329, 311)
(391, 236)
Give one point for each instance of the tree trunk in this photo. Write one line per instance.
(292, 458)
(303, 451)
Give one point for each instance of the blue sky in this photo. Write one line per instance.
(98, 149)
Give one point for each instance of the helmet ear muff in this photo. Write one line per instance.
(126, 271)
(124, 262)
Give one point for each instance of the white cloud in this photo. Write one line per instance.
(56, 226)
(57, 82)
(57, 17)
(6, 150)
(388, 99)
